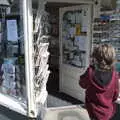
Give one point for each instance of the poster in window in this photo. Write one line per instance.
(12, 34)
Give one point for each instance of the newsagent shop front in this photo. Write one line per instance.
(45, 46)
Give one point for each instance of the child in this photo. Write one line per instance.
(101, 84)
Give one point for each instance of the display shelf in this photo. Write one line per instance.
(106, 30)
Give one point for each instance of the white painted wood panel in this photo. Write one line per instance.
(70, 75)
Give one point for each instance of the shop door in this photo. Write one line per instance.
(75, 39)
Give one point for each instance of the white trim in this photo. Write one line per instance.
(65, 107)
(13, 104)
(71, 1)
(28, 40)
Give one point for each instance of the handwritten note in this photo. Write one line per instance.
(80, 41)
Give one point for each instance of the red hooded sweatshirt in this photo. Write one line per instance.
(100, 96)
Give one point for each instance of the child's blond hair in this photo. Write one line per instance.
(104, 56)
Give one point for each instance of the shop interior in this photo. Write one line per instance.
(12, 58)
(54, 94)
(12, 75)
(102, 29)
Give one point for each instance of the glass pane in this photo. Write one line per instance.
(74, 36)
(12, 68)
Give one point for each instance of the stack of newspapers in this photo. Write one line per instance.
(41, 56)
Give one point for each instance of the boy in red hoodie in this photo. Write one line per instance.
(101, 84)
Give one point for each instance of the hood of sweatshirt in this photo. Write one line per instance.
(102, 80)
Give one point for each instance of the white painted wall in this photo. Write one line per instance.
(4, 2)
